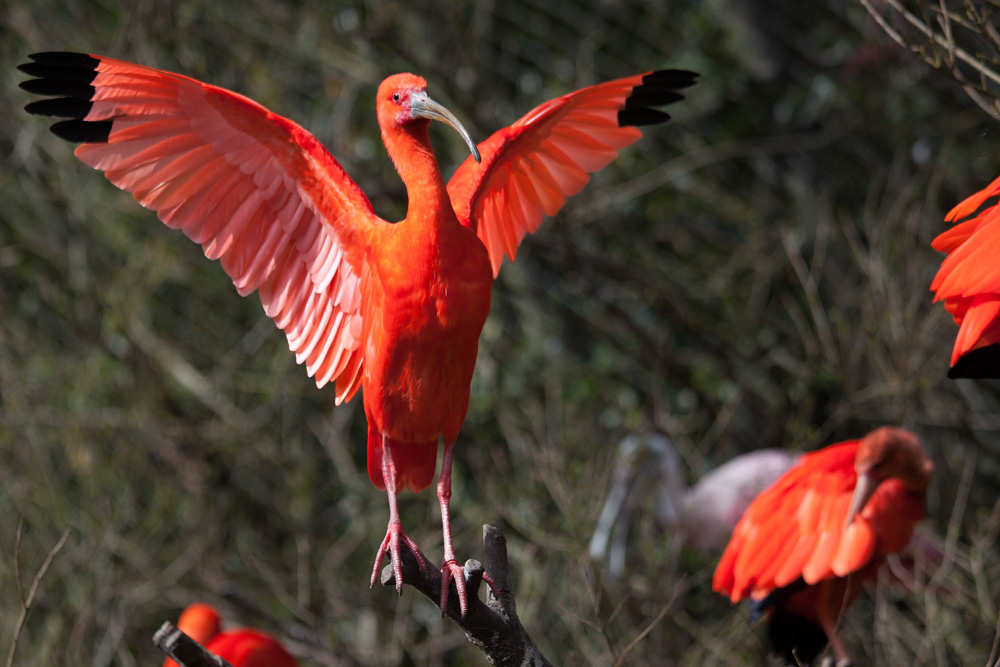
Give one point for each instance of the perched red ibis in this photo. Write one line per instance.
(393, 309)
(244, 647)
(806, 545)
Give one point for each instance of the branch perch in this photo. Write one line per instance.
(494, 626)
(184, 650)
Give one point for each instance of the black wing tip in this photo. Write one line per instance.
(979, 364)
(61, 87)
(657, 89)
(61, 107)
(641, 117)
(65, 59)
(82, 131)
(66, 78)
(673, 78)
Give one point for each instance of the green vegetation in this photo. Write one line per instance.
(754, 274)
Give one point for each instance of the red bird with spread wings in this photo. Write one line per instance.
(805, 547)
(245, 647)
(395, 309)
(969, 284)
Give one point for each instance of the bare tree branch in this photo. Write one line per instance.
(494, 626)
(183, 650)
(941, 47)
(26, 602)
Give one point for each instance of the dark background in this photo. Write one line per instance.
(753, 274)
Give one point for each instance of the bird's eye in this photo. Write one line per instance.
(395, 98)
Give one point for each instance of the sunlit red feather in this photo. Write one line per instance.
(530, 168)
(969, 279)
(256, 191)
(796, 527)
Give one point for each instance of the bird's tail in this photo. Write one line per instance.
(415, 462)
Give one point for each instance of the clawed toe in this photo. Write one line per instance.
(394, 535)
(450, 570)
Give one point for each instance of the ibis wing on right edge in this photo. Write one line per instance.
(257, 191)
(530, 168)
(969, 283)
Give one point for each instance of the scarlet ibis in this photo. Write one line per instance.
(241, 648)
(396, 309)
(703, 516)
(807, 544)
(969, 284)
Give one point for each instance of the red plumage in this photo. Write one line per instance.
(395, 309)
(245, 647)
(808, 543)
(969, 284)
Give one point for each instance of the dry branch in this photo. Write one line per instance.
(939, 46)
(26, 601)
(183, 650)
(494, 626)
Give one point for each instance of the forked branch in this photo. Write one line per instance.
(492, 626)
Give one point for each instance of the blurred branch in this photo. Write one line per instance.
(183, 650)
(26, 601)
(181, 370)
(494, 626)
(942, 48)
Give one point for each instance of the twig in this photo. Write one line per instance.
(954, 51)
(493, 627)
(17, 560)
(26, 602)
(996, 644)
(183, 650)
(649, 628)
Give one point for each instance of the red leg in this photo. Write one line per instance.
(449, 565)
(394, 531)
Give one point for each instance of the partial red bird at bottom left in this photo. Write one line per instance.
(245, 647)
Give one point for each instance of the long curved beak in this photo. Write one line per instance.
(862, 492)
(422, 106)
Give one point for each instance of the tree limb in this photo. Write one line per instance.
(494, 626)
(184, 650)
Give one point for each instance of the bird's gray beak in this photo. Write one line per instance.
(422, 106)
(862, 492)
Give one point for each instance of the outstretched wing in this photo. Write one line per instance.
(257, 191)
(530, 168)
(796, 529)
(969, 284)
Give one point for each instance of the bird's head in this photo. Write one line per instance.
(403, 104)
(886, 453)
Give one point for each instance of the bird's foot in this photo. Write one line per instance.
(393, 536)
(450, 569)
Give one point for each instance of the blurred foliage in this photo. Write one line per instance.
(753, 274)
(959, 39)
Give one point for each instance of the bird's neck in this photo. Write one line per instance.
(417, 165)
(920, 478)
